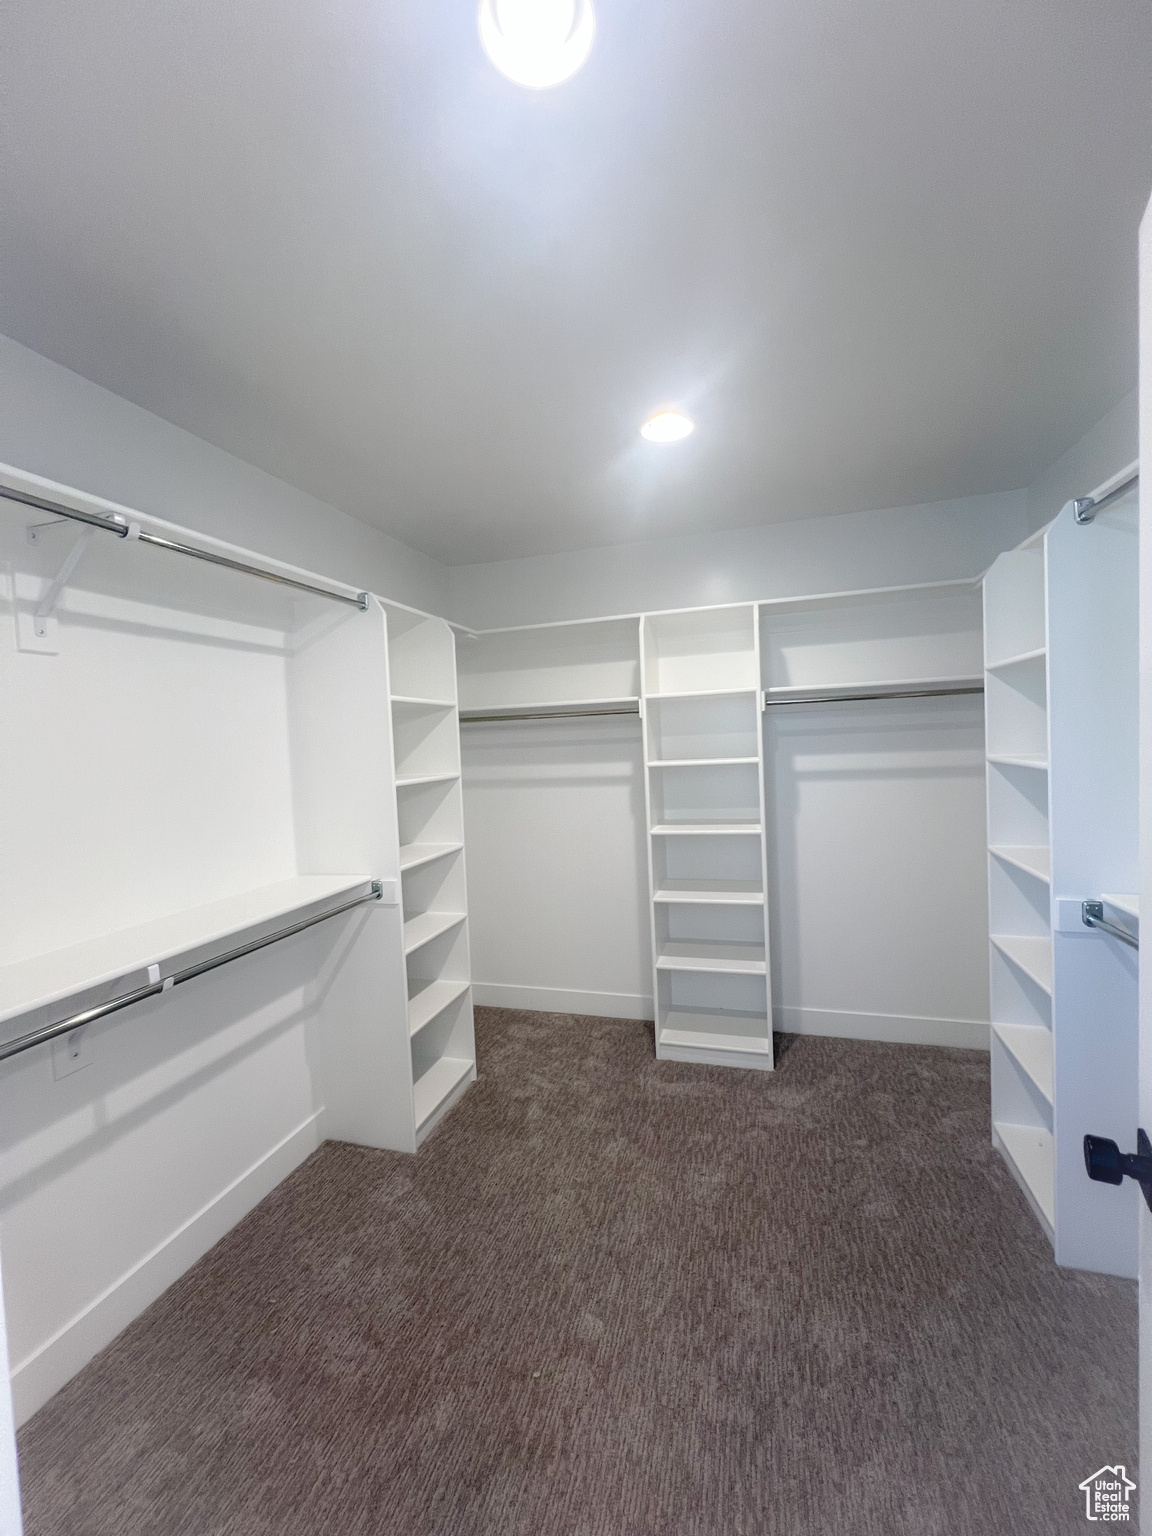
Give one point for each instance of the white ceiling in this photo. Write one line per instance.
(883, 250)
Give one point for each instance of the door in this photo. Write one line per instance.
(1146, 846)
(9, 1487)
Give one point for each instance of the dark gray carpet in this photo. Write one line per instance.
(620, 1297)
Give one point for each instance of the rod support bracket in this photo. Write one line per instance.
(1084, 508)
(362, 601)
(1092, 916)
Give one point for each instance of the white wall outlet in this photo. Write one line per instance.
(70, 1053)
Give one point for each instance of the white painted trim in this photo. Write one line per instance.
(606, 1005)
(898, 1028)
(42, 1373)
(10, 1516)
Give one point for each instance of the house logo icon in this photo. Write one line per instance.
(1108, 1495)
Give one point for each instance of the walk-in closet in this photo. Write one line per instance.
(574, 769)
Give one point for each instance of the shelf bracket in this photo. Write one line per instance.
(47, 604)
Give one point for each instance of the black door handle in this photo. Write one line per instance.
(1108, 1165)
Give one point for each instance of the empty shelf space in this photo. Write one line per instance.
(426, 778)
(1034, 860)
(427, 926)
(413, 855)
(705, 892)
(72, 970)
(1030, 1045)
(1040, 764)
(1039, 654)
(709, 1040)
(700, 762)
(1031, 955)
(706, 829)
(440, 1081)
(699, 955)
(1030, 1152)
(410, 701)
(432, 1001)
(705, 693)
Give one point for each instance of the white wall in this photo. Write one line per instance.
(824, 554)
(57, 424)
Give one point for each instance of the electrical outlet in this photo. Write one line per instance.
(70, 1053)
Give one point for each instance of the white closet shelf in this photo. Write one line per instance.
(1004, 760)
(413, 855)
(1033, 956)
(714, 1036)
(1019, 660)
(818, 691)
(426, 926)
(706, 829)
(426, 778)
(1030, 1046)
(412, 701)
(746, 893)
(431, 1002)
(703, 693)
(63, 973)
(1030, 1155)
(1034, 860)
(701, 762)
(1128, 904)
(437, 1085)
(698, 955)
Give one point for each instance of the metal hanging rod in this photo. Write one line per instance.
(771, 701)
(1086, 507)
(474, 717)
(126, 530)
(166, 983)
(1092, 916)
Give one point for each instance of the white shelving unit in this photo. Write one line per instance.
(1060, 622)
(191, 768)
(704, 793)
(430, 819)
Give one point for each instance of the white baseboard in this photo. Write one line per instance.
(898, 1028)
(605, 1005)
(42, 1373)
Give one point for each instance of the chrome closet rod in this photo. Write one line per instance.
(890, 693)
(1086, 507)
(1092, 916)
(166, 983)
(124, 530)
(469, 718)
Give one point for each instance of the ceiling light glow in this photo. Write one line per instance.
(667, 427)
(537, 43)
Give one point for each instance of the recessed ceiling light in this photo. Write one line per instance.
(667, 427)
(537, 42)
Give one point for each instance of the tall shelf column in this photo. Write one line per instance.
(430, 820)
(704, 795)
